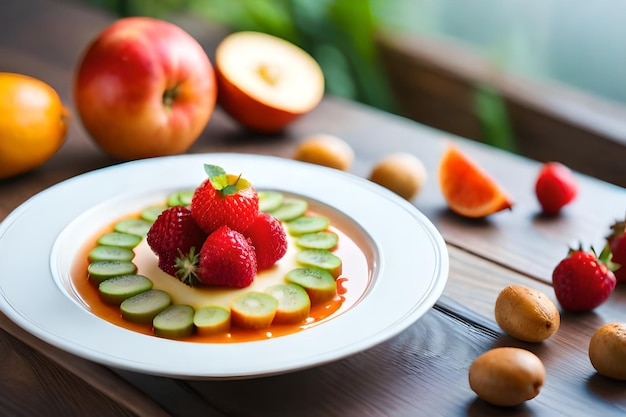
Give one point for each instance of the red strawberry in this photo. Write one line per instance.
(582, 281)
(175, 237)
(224, 200)
(227, 259)
(555, 187)
(268, 238)
(617, 244)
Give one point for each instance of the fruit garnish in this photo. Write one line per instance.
(318, 283)
(253, 310)
(318, 240)
(224, 199)
(555, 187)
(270, 200)
(290, 209)
(583, 280)
(110, 253)
(268, 238)
(151, 213)
(617, 244)
(174, 237)
(119, 239)
(320, 258)
(143, 307)
(212, 320)
(101, 270)
(175, 322)
(137, 227)
(180, 198)
(307, 224)
(117, 289)
(468, 190)
(227, 258)
(294, 304)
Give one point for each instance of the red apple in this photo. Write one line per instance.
(265, 82)
(144, 88)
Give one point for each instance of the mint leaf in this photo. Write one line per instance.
(217, 176)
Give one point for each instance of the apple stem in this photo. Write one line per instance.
(169, 95)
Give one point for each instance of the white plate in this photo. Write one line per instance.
(409, 267)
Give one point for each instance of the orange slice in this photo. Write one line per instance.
(467, 188)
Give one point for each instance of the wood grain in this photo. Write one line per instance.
(406, 375)
(31, 385)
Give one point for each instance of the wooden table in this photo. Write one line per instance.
(423, 370)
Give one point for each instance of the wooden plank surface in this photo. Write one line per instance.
(421, 371)
(425, 367)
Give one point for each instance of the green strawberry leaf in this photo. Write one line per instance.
(186, 266)
(606, 257)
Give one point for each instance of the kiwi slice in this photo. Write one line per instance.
(180, 198)
(117, 289)
(137, 227)
(307, 224)
(320, 258)
(150, 214)
(175, 322)
(101, 270)
(143, 307)
(110, 253)
(318, 283)
(294, 304)
(318, 240)
(212, 320)
(290, 209)
(253, 310)
(122, 240)
(270, 200)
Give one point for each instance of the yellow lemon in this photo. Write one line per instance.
(33, 123)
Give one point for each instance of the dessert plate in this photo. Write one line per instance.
(408, 264)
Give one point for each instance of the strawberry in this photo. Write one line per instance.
(617, 243)
(555, 187)
(174, 237)
(227, 258)
(224, 199)
(582, 281)
(268, 238)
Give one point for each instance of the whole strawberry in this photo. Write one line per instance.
(555, 187)
(617, 243)
(224, 200)
(174, 237)
(583, 281)
(269, 239)
(227, 258)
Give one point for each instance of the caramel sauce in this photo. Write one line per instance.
(351, 286)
